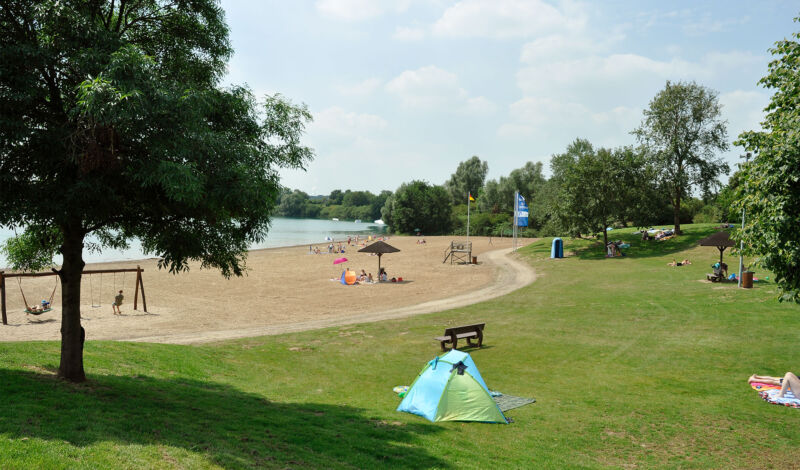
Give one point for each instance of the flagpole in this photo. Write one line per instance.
(514, 229)
(469, 196)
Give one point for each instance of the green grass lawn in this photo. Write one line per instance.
(632, 363)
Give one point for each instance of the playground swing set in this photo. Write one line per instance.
(46, 305)
(100, 288)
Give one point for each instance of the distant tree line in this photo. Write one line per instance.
(670, 176)
(344, 205)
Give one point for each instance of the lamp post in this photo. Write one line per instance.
(741, 242)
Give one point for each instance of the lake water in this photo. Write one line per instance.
(283, 232)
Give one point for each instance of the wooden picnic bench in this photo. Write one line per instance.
(452, 335)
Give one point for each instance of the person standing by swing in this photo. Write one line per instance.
(117, 302)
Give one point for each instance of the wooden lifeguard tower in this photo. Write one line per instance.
(458, 252)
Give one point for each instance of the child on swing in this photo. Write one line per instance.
(117, 302)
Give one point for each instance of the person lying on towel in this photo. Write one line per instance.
(788, 382)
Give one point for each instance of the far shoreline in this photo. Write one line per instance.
(264, 249)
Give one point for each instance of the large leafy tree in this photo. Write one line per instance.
(113, 123)
(468, 179)
(769, 187)
(498, 195)
(684, 131)
(418, 205)
(596, 188)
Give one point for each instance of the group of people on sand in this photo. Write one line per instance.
(382, 277)
(332, 249)
(352, 239)
(339, 247)
(364, 277)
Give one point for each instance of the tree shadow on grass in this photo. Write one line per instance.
(645, 249)
(224, 425)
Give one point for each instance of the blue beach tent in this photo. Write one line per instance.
(450, 388)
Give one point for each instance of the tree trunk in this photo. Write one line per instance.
(677, 212)
(72, 334)
(605, 238)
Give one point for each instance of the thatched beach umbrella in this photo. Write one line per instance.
(721, 240)
(379, 248)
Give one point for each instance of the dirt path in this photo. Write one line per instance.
(511, 274)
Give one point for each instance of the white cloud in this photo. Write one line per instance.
(335, 122)
(600, 83)
(538, 116)
(724, 62)
(601, 97)
(431, 88)
(508, 19)
(555, 47)
(359, 10)
(427, 87)
(478, 105)
(409, 34)
(623, 79)
(363, 88)
(712, 24)
(744, 109)
(553, 124)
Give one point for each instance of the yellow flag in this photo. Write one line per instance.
(470, 197)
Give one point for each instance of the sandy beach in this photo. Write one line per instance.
(285, 289)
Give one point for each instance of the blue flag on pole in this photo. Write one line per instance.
(522, 211)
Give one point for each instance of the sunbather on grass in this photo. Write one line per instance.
(788, 382)
(682, 263)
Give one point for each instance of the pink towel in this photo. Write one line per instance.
(761, 386)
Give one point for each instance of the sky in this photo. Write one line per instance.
(404, 90)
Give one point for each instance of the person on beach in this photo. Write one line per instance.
(382, 276)
(682, 263)
(117, 302)
(370, 279)
(788, 382)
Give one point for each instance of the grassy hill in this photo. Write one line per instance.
(632, 363)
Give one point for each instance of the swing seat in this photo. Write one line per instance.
(37, 312)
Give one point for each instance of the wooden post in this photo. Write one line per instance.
(144, 299)
(3, 297)
(138, 280)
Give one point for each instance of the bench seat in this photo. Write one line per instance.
(468, 332)
(459, 336)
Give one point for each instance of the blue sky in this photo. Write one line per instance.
(407, 89)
